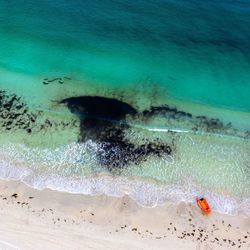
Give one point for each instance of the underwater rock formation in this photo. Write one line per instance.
(194, 123)
(104, 120)
(14, 113)
(99, 107)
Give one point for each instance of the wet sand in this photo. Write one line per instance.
(33, 219)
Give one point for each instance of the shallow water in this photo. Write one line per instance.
(180, 67)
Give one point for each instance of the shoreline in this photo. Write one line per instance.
(39, 219)
(119, 187)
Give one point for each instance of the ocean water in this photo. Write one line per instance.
(145, 98)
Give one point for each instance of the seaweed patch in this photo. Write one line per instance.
(194, 123)
(99, 107)
(104, 121)
(59, 80)
(116, 152)
(14, 113)
(165, 109)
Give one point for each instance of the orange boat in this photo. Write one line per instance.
(203, 205)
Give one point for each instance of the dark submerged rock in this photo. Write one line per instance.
(117, 152)
(99, 107)
(14, 113)
(47, 81)
(166, 111)
(104, 120)
(195, 123)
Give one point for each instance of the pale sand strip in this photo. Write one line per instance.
(7, 246)
(32, 219)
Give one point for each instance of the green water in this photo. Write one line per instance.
(193, 56)
(128, 44)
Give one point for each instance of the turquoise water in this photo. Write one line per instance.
(189, 47)
(193, 56)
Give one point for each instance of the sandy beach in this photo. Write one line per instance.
(33, 219)
(115, 116)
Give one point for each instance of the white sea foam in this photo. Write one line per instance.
(198, 168)
(146, 193)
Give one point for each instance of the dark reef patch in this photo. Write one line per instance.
(104, 120)
(163, 110)
(117, 152)
(99, 107)
(59, 80)
(14, 113)
(194, 123)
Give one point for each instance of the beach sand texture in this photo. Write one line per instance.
(128, 111)
(33, 219)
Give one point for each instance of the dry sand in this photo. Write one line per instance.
(33, 219)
